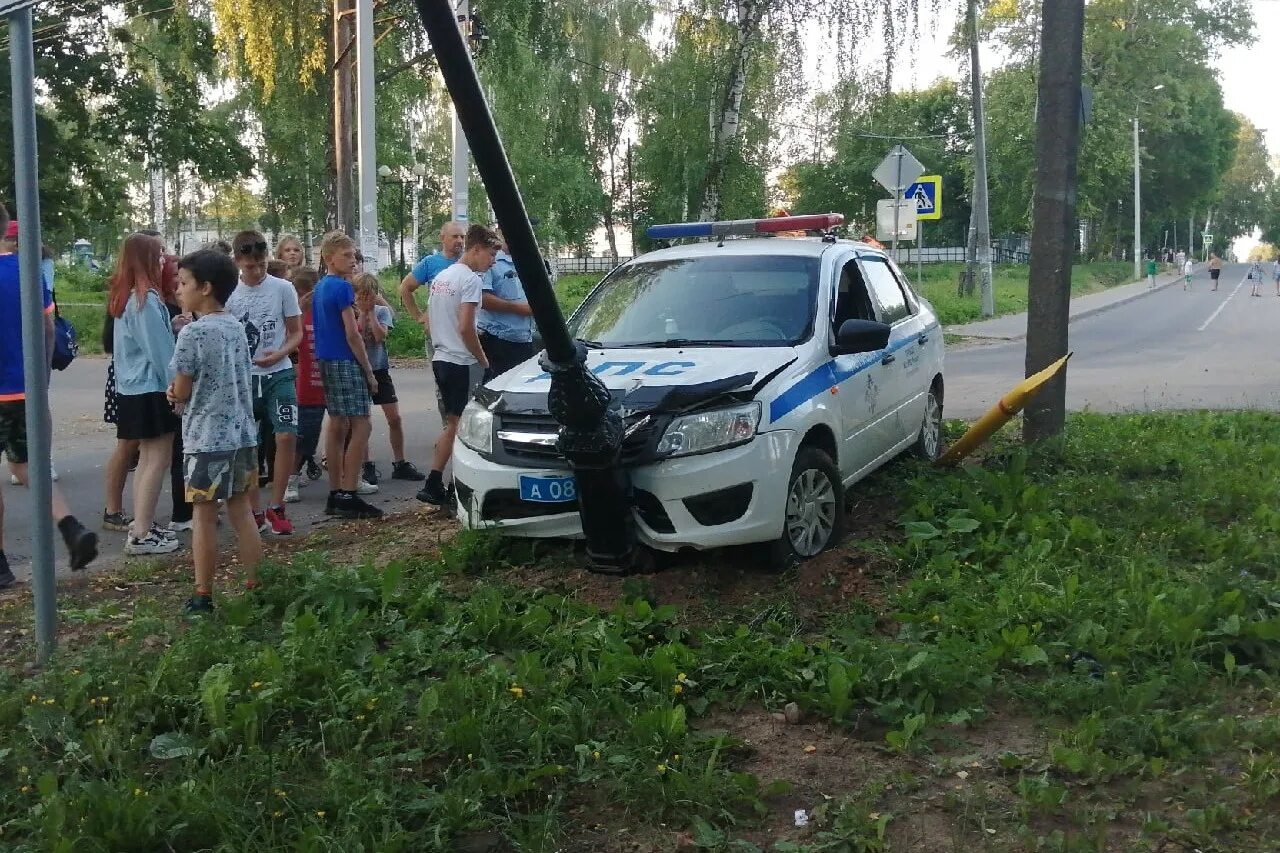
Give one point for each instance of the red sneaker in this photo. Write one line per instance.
(280, 525)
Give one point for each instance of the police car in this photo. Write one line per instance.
(758, 379)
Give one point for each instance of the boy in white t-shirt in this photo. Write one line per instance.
(268, 308)
(455, 295)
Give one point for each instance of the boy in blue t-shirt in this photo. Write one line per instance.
(349, 383)
(81, 543)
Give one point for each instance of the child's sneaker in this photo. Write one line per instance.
(291, 495)
(198, 605)
(166, 531)
(330, 505)
(182, 526)
(276, 520)
(152, 543)
(366, 488)
(260, 519)
(433, 493)
(347, 505)
(369, 473)
(406, 470)
(116, 521)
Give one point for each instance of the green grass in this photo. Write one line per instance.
(1009, 282)
(1121, 594)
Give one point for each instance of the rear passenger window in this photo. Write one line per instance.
(886, 290)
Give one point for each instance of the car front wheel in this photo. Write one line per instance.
(928, 445)
(814, 512)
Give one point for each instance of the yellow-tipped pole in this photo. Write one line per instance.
(999, 414)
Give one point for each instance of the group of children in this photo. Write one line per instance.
(260, 348)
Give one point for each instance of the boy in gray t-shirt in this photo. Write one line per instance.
(219, 434)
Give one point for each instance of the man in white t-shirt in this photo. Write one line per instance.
(451, 311)
(268, 308)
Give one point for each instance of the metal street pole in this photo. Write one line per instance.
(897, 200)
(461, 156)
(919, 251)
(35, 357)
(1137, 205)
(367, 144)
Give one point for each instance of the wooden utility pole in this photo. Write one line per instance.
(980, 223)
(344, 12)
(1053, 226)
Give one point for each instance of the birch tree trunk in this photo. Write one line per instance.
(725, 131)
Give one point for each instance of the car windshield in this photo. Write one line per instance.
(729, 300)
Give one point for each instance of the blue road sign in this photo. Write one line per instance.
(927, 193)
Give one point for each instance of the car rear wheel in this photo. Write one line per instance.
(928, 445)
(814, 510)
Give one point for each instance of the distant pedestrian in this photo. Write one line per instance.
(349, 383)
(82, 544)
(142, 349)
(1275, 274)
(1188, 272)
(1215, 268)
(211, 364)
(1179, 259)
(455, 296)
(1255, 277)
(504, 319)
(1151, 273)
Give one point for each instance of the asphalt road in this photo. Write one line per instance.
(1170, 349)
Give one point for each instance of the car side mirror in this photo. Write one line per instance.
(855, 336)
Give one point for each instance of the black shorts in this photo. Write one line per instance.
(1213, 274)
(454, 384)
(386, 389)
(144, 416)
(13, 431)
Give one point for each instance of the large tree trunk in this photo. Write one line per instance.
(981, 257)
(1054, 221)
(725, 130)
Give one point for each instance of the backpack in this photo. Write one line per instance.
(65, 344)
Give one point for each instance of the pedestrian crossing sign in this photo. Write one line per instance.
(927, 192)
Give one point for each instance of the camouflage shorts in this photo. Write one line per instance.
(219, 475)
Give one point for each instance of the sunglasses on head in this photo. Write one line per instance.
(253, 248)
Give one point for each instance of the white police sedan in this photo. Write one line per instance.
(758, 379)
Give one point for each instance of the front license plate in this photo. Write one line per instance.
(548, 490)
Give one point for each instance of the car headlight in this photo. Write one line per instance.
(712, 430)
(475, 428)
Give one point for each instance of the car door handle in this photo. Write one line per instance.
(889, 359)
(922, 340)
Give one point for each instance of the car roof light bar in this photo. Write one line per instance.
(741, 227)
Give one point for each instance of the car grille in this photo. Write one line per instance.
(531, 439)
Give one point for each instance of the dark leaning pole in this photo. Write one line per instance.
(590, 432)
(35, 360)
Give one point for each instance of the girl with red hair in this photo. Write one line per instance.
(142, 348)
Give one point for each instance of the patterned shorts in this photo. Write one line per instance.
(219, 475)
(346, 394)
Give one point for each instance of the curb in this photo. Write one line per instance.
(1080, 315)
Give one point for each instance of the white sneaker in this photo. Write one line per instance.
(151, 544)
(291, 495)
(14, 481)
(366, 489)
(182, 526)
(165, 531)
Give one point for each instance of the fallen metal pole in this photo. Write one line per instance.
(591, 432)
(35, 358)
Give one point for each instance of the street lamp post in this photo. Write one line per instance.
(1137, 195)
(385, 172)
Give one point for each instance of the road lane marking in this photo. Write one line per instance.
(1218, 311)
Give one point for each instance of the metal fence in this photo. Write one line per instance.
(598, 264)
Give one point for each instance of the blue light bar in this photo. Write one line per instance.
(679, 229)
